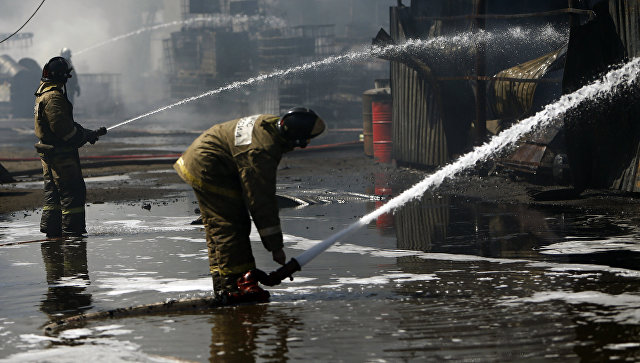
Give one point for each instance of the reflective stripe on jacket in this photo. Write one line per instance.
(239, 159)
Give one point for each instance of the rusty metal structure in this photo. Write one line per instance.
(445, 103)
(205, 55)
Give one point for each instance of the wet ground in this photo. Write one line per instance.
(468, 274)
(446, 278)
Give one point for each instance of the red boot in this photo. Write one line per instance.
(248, 291)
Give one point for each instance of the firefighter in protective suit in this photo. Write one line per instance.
(232, 169)
(60, 137)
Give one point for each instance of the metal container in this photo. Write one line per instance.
(376, 94)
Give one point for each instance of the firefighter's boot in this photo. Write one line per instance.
(248, 291)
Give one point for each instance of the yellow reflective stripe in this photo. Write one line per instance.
(193, 181)
(51, 207)
(70, 135)
(269, 231)
(232, 270)
(73, 210)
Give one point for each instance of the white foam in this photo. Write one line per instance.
(130, 273)
(35, 339)
(584, 247)
(114, 332)
(120, 286)
(94, 350)
(386, 278)
(107, 327)
(187, 239)
(71, 281)
(72, 334)
(135, 225)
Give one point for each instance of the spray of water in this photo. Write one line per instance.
(424, 48)
(616, 81)
(215, 21)
(354, 56)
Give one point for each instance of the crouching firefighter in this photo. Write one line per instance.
(60, 137)
(232, 169)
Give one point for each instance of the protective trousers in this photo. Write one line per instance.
(65, 194)
(227, 225)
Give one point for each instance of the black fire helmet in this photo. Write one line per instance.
(57, 69)
(299, 125)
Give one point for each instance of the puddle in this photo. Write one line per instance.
(96, 179)
(444, 278)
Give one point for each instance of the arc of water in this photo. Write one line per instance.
(369, 52)
(411, 46)
(624, 77)
(216, 20)
(373, 51)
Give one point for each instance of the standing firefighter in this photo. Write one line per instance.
(232, 169)
(60, 137)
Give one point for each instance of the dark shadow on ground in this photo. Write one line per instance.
(12, 194)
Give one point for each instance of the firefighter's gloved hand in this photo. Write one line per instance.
(93, 135)
(279, 256)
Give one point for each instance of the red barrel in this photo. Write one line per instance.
(381, 115)
(368, 97)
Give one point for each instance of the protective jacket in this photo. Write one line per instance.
(60, 137)
(53, 115)
(238, 160)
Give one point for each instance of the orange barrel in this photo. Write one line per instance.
(381, 116)
(367, 122)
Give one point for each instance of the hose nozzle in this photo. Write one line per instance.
(275, 277)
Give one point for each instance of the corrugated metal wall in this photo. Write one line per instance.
(418, 132)
(626, 17)
(435, 95)
(433, 110)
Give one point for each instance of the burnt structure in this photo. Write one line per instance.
(228, 41)
(445, 103)
(18, 40)
(18, 81)
(101, 95)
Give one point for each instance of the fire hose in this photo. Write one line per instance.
(296, 263)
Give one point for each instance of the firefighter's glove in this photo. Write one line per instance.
(93, 135)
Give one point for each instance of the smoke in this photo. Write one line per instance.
(75, 24)
(353, 18)
(78, 24)
(125, 37)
